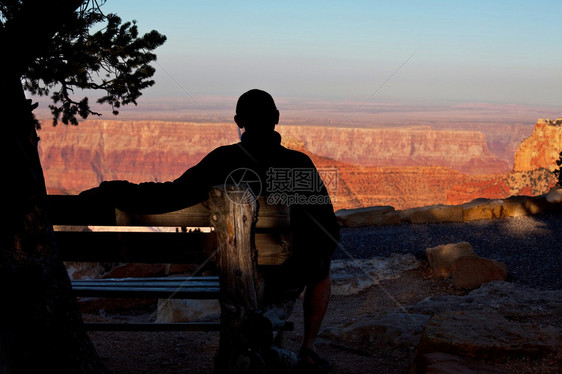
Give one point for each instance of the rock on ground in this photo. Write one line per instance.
(353, 276)
(394, 329)
(495, 321)
(486, 334)
(470, 272)
(442, 257)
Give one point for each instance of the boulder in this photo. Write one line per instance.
(537, 204)
(371, 216)
(394, 328)
(471, 272)
(180, 310)
(477, 209)
(432, 214)
(487, 334)
(512, 207)
(442, 258)
(512, 301)
(515, 206)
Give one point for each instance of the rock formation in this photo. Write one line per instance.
(541, 149)
(401, 167)
(464, 151)
(77, 158)
(532, 174)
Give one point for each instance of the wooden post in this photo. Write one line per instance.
(243, 330)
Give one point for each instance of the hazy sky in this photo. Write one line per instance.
(504, 52)
(362, 56)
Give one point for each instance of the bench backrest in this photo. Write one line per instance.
(86, 232)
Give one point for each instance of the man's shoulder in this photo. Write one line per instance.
(224, 150)
(296, 156)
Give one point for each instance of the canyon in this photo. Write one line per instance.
(464, 151)
(403, 167)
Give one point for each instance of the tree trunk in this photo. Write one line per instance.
(41, 327)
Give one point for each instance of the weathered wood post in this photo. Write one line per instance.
(233, 216)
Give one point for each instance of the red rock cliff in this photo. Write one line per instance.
(77, 158)
(534, 161)
(541, 149)
(417, 169)
(465, 151)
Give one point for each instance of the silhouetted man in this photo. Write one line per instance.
(287, 174)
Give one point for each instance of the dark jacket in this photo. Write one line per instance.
(314, 226)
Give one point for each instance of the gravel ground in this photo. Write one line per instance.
(530, 246)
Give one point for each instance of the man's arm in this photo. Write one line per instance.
(156, 197)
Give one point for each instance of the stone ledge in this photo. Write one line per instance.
(478, 209)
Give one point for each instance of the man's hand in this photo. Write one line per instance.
(91, 194)
(107, 191)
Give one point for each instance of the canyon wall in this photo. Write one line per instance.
(502, 139)
(75, 158)
(464, 151)
(404, 167)
(541, 149)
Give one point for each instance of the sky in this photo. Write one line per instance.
(407, 53)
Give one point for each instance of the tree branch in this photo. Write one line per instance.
(33, 26)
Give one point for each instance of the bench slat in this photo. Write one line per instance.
(73, 210)
(140, 283)
(154, 280)
(147, 285)
(270, 216)
(153, 326)
(149, 292)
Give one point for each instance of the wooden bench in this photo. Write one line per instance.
(236, 234)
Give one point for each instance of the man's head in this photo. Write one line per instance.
(256, 111)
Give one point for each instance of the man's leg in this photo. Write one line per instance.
(315, 304)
